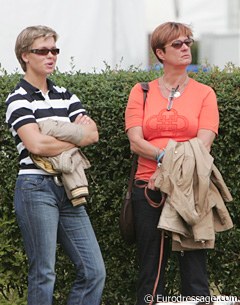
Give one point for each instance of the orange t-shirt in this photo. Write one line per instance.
(196, 108)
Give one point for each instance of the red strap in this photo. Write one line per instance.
(151, 202)
(159, 268)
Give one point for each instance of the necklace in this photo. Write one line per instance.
(178, 90)
(173, 92)
(171, 96)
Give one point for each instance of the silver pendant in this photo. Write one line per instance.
(177, 94)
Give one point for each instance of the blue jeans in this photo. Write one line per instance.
(45, 215)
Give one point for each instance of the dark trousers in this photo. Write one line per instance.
(193, 273)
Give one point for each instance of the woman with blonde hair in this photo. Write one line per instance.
(44, 212)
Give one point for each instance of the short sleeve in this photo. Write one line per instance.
(19, 112)
(75, 107)
(134, 109)
(209, 115)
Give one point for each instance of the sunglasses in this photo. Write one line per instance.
(177, 44)
(45, 51)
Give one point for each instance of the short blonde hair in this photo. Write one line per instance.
(166, 33)
(26, 38)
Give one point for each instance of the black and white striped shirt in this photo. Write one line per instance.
(27, 104)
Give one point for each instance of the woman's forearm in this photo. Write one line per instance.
(207, 137)
(140, 146)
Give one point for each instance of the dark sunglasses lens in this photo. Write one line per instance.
(188, 42)
(45, 51)
(55, 51)
(177, 44)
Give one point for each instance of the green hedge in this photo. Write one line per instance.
(105, 97)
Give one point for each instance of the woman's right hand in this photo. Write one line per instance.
(151, 181)
(89, 130)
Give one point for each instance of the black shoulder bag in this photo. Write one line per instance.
(126, 222)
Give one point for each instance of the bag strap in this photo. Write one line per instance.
(145, 88)
(132, 174)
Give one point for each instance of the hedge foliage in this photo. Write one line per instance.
(105, 97)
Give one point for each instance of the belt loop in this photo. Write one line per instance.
(140, 183)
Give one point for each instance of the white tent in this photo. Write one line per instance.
(94, 32)
(215, 24)
(203, 15)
